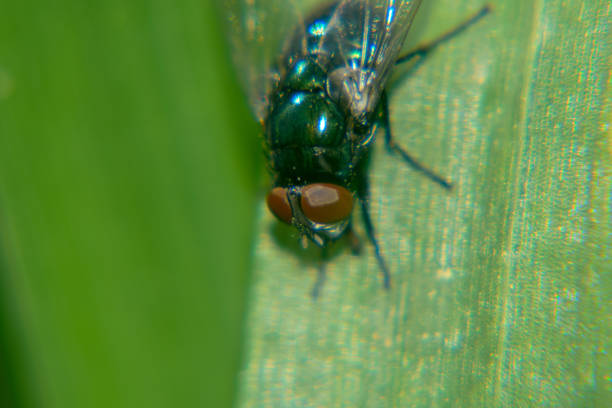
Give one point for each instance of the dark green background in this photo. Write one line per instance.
(127, 157)
(129, 207)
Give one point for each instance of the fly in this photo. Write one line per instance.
(320, 100)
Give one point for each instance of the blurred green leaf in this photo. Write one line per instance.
(501, 288)
(126, 205)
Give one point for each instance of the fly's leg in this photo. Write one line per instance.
(353, 240)
(369, 228)
(392, 146)
(355, 244)
(316, 289)
(363, 194)
(422, 50)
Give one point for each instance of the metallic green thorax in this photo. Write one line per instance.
(307, 136)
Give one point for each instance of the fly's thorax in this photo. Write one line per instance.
(303, 164)
(306, 131)
(305, 118)
(301, 113)
(307, 140)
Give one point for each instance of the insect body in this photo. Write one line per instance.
(315, 144)
(320, 104)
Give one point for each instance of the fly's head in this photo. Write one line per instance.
(321, 212)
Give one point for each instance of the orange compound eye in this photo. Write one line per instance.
(326, 203)
(279, 205)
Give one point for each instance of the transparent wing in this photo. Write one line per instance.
(361, 45)
(257, 31)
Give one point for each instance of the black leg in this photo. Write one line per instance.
(422, 50)
(316, 289)
(353, 240)
(367, 221)
(392, 146)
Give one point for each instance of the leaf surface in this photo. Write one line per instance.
(501, 287)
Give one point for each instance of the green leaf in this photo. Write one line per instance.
(126, 205)
(501, 287)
